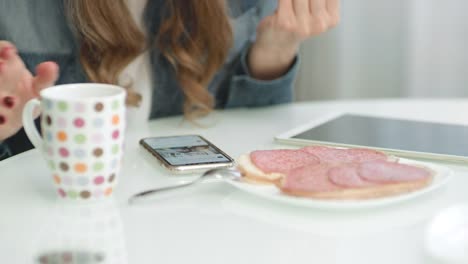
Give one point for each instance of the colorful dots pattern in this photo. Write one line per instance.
(80, 107)
(99, 180)
(67, 180)
(81, 168)
(83, 165)
(61, 122)
(48, 104)
(115, 105)
(62, 106)
(79, 153)
(99, 107)
(98, 166)
(115, 134)
(62, 136)
(52, 165)
(57, 179)
(83, 181)
(114, 163)
(115, 149)
(108, 191)
(115, 120)
(111, 178)
(50, 152)
(48, 120)
(62, 193)
(85, 194)
(72, 257)
(80, 139)
(72, 194)
(64, 153)
(98, 193)
(64, 166)
(79, 122)
(97, 152)
(49, 136)
(97, 138)
(98, 123)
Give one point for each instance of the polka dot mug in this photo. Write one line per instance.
(82, 137)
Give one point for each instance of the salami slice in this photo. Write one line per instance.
(347, 176)
(390, 172)
(311, 178)
(281, 160)
(336, 155)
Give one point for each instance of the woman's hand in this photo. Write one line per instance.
(280, 34)
(18, 85)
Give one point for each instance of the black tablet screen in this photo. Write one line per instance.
(394, 134)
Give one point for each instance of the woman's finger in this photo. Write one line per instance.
(301, 11)
(4, 44)
(333, 8)
(46, 75)
(285, 9)
(317, 7)
(320, 18)
(7, 50)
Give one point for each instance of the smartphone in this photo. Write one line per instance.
(186, 153)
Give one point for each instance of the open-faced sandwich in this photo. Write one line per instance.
(333, 173)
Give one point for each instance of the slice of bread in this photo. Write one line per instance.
(253, 174)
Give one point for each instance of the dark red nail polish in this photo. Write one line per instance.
(2, 120)
(4, 52)
(9, 102)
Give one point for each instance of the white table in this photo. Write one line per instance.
(216, 223)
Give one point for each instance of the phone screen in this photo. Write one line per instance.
(186, 150)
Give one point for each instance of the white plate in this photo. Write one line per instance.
(271, 192)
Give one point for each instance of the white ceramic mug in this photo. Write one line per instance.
(82, 136)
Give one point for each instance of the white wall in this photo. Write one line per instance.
(389, 49)
(438, 48)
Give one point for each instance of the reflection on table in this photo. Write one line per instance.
(81, 233)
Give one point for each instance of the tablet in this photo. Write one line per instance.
(409, 138)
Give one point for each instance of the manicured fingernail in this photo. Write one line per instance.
(9, 101)
(2, 120)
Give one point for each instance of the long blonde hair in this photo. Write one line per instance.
(194, 37)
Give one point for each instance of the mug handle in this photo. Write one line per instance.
(28, 123)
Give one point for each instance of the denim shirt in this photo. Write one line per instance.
(41, 32)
